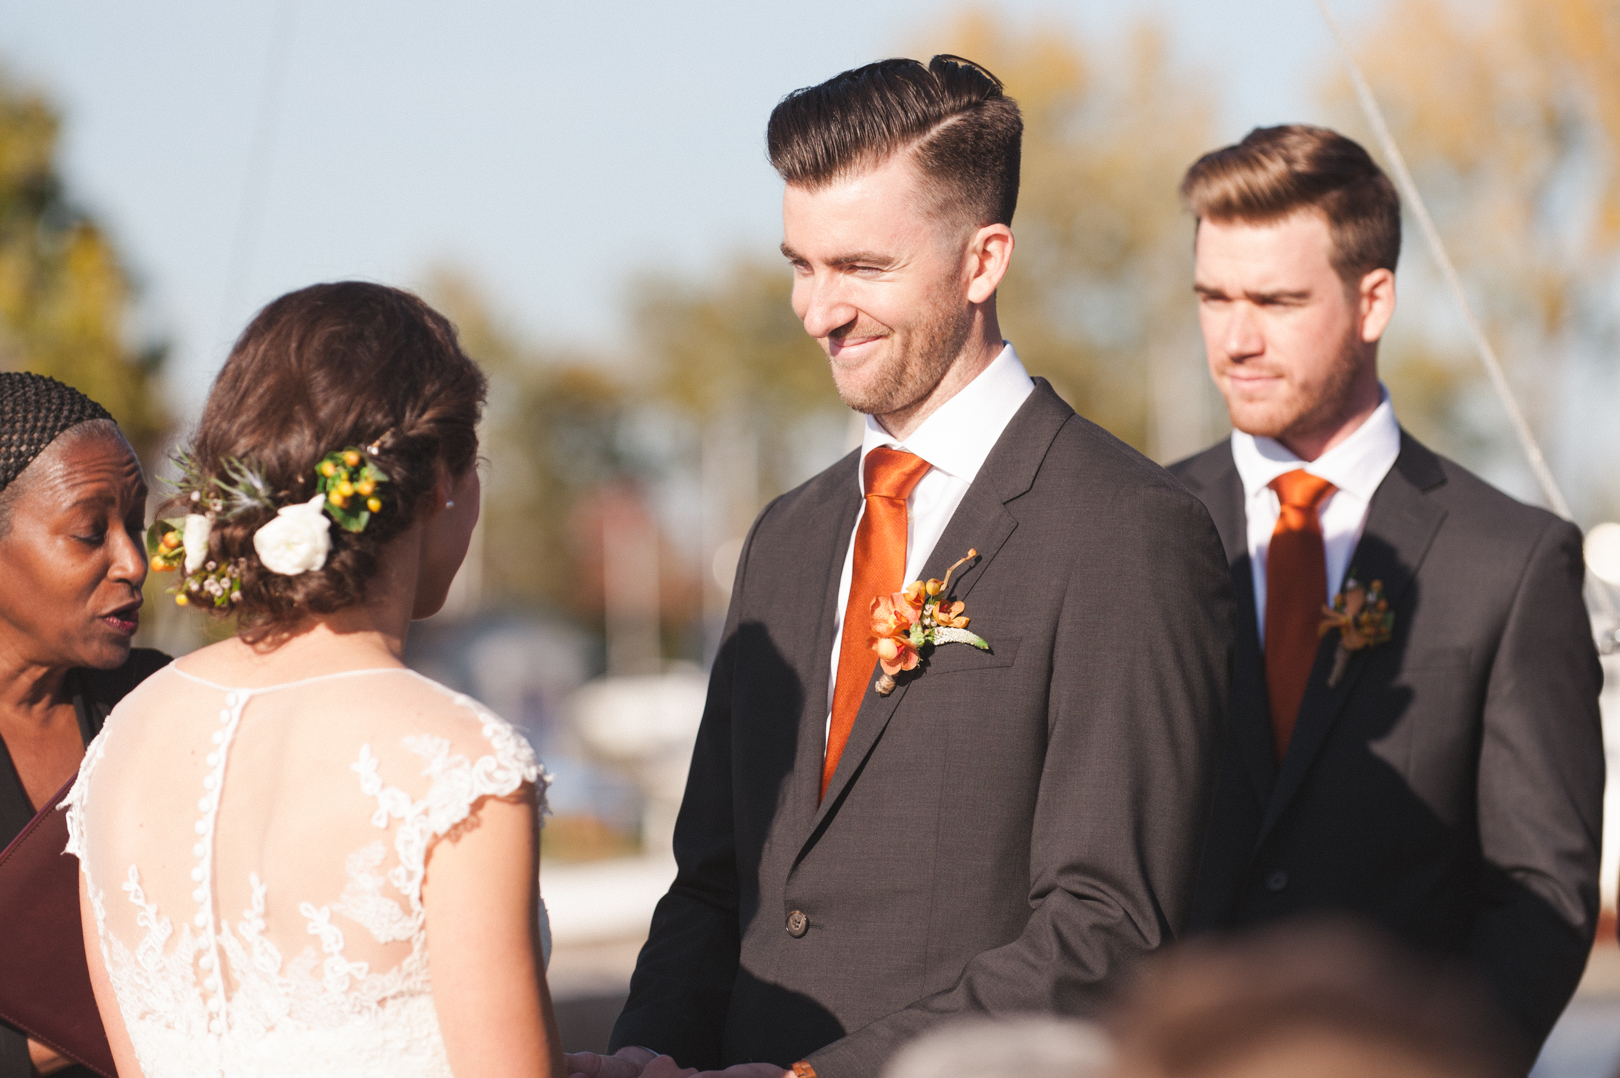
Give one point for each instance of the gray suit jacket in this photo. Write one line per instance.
(1007, 831)
(1450, 787)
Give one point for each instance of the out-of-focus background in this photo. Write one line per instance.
(583, 189)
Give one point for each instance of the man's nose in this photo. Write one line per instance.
(1243, 338)
(823, 307)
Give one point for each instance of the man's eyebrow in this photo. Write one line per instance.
(863, 258)
(1279, 294)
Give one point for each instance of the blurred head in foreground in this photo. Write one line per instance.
(1328, 1000)
(1032, 1047)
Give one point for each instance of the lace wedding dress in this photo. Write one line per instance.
(255, 860)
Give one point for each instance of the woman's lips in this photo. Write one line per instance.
(125, 621)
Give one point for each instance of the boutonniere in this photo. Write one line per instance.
(1363, 618)
(917, 617)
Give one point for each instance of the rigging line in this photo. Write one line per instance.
(1420, 211)
(1437, 248)
(260, 155)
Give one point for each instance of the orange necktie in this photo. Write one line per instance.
(880, 569)
(1296, 584)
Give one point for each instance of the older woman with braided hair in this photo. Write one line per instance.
(72, 508)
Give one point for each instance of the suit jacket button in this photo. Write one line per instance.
(1277, 881)
(797, 924)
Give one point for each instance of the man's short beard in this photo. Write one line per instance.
(1328, 408)
(909, 377)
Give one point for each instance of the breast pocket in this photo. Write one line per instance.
(955, 658)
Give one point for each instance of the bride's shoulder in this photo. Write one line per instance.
(443, 725)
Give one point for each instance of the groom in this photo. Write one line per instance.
(1008, 830)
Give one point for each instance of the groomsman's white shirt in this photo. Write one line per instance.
(1356, 466)
(955, 440)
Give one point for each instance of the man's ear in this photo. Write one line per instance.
(1376, 303)
(988, 256)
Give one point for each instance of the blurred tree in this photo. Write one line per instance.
(64, 299)
(1508, 113)
(732, 354)
(550, 435)
(1099, 297)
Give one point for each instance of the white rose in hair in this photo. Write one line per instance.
(297, 540)
(195, 540)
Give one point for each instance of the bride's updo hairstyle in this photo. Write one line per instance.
(317, 371)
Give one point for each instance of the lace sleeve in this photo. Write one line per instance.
(456, 783)
(73, 804)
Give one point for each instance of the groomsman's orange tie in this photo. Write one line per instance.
(880, 569)
(1296, 585)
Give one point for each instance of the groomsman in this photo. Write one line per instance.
(865, 850)
(1427, 755)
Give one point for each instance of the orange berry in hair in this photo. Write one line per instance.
(328, 469)
(170, 540)
(181, 600)
(336, 498)
(345, 488)
(365, 487)
(374, 504)
(352, 459)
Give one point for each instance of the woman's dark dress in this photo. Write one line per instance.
(94, 694)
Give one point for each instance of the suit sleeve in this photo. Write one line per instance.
(681, 989)
(1136, 706)
(1541, 792)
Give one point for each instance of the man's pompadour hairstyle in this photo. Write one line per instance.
(964, 132)
(1276, 171)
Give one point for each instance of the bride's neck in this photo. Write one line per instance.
(369, 633)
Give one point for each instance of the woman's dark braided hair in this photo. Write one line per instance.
(34, 411)
(319, 370)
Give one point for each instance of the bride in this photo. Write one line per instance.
(299, 857)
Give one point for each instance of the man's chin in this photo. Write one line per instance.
(1261, 422)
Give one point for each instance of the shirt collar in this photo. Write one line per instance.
(1356, 465)
(958, 437)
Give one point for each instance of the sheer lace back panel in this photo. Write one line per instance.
(255, 860)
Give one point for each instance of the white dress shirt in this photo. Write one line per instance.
(1356, 466)
(955, 440)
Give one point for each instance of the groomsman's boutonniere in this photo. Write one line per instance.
(920, 616)
(1363, 618)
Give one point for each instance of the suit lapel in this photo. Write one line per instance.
(1222, 494)
(981, 522)
(812, 738)
(1401, 525)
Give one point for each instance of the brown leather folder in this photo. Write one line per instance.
(44, 982)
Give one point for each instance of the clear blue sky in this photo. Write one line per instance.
(550, 149)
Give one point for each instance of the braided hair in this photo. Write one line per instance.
(34, 411)
(343, 364)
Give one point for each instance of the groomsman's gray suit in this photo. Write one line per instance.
(1007, 831)
(1450, 787)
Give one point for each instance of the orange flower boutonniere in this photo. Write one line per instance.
(1363, 618)
(920, 616)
